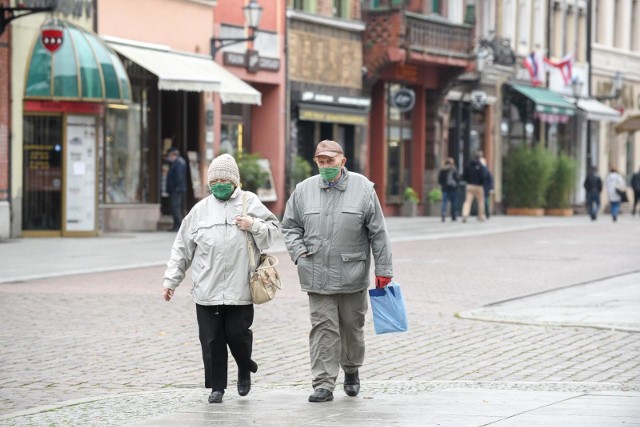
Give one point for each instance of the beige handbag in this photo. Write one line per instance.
(264, 279)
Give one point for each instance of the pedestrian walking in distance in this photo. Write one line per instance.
(614, 182)
(213, 241)
(474, 175)
(635, 184)
(487, 185)
(332, 223)
(593, 187)
(176, 185)
(448, 179)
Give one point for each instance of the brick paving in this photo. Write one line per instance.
(107, 334)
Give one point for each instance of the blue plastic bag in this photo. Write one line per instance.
(389, 312)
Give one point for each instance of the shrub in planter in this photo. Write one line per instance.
(411, 195)
(561, 183)
(252, 173)
(527, 172)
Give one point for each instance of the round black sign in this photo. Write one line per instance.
(403, 99)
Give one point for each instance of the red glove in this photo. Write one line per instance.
(382, 281)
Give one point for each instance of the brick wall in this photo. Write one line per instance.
(5, 81)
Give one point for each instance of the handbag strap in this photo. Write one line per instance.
(252, 257)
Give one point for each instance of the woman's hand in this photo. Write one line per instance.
(244, 223)
(168, 293)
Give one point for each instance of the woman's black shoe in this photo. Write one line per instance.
(216, 396)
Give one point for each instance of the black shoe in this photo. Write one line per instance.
(321, 395)
(443, 219)
(216, 396)
(352, 384)
(244, 384)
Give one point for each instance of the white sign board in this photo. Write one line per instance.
(80, 165)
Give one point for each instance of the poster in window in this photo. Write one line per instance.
(267, 193)
(80, 167)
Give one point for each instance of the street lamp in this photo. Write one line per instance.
(252, 15)
(616, 87)
(8, 14)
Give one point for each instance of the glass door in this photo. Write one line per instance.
(42, 175)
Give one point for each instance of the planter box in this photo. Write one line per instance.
(525, 211)
(559, 212)
(409, 209)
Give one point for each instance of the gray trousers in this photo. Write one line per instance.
(337, 336)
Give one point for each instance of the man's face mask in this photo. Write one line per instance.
(329, 174)
(222, 190)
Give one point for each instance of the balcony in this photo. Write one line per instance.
(394, 35)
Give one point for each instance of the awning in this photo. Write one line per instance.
(188, 72)
(596, 110)
(546, 101)
(630, 122)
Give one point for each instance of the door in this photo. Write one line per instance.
(42, 175)
(59, 175)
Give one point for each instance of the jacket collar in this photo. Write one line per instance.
(340, 185)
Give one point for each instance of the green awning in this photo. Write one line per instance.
(69, 62)
(547, 102)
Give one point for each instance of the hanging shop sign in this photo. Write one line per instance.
(251, 60)
(478, 99)
(403, 99)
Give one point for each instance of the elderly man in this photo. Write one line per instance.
(332, 223)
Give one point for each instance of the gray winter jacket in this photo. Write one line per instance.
(210, 242)
(338, 227)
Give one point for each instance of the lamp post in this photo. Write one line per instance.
(252, 14)
(576, 88)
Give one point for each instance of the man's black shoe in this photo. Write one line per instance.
(244, 384)
(352, 384)
(321, 395)
(216, 396)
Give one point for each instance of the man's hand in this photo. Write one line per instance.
(168, 293)
(382, 281)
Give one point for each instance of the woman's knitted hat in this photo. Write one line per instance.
(224, 167)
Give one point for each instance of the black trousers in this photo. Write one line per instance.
(221, 326)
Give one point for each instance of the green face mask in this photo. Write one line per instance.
(222, 190)
(329, 174)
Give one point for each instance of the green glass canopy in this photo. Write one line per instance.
(72, 63)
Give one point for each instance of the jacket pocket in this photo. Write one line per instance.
(305, 270)
(354, 267)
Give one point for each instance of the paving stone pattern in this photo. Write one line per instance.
(110, 334)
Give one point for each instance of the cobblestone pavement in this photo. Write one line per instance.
(85, 338)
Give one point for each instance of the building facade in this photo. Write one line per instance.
(261, 63)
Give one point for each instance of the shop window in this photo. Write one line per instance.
(122, 154)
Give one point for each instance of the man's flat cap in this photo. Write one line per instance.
(328, 148)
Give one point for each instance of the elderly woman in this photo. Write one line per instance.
(213, 241)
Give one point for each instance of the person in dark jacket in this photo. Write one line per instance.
(593, 187)
(176, 185)
(635, 184)
(448, 179)
(488, 187)
(474, 175)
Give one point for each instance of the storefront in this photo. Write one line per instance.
(175, 91)
(72, 82)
